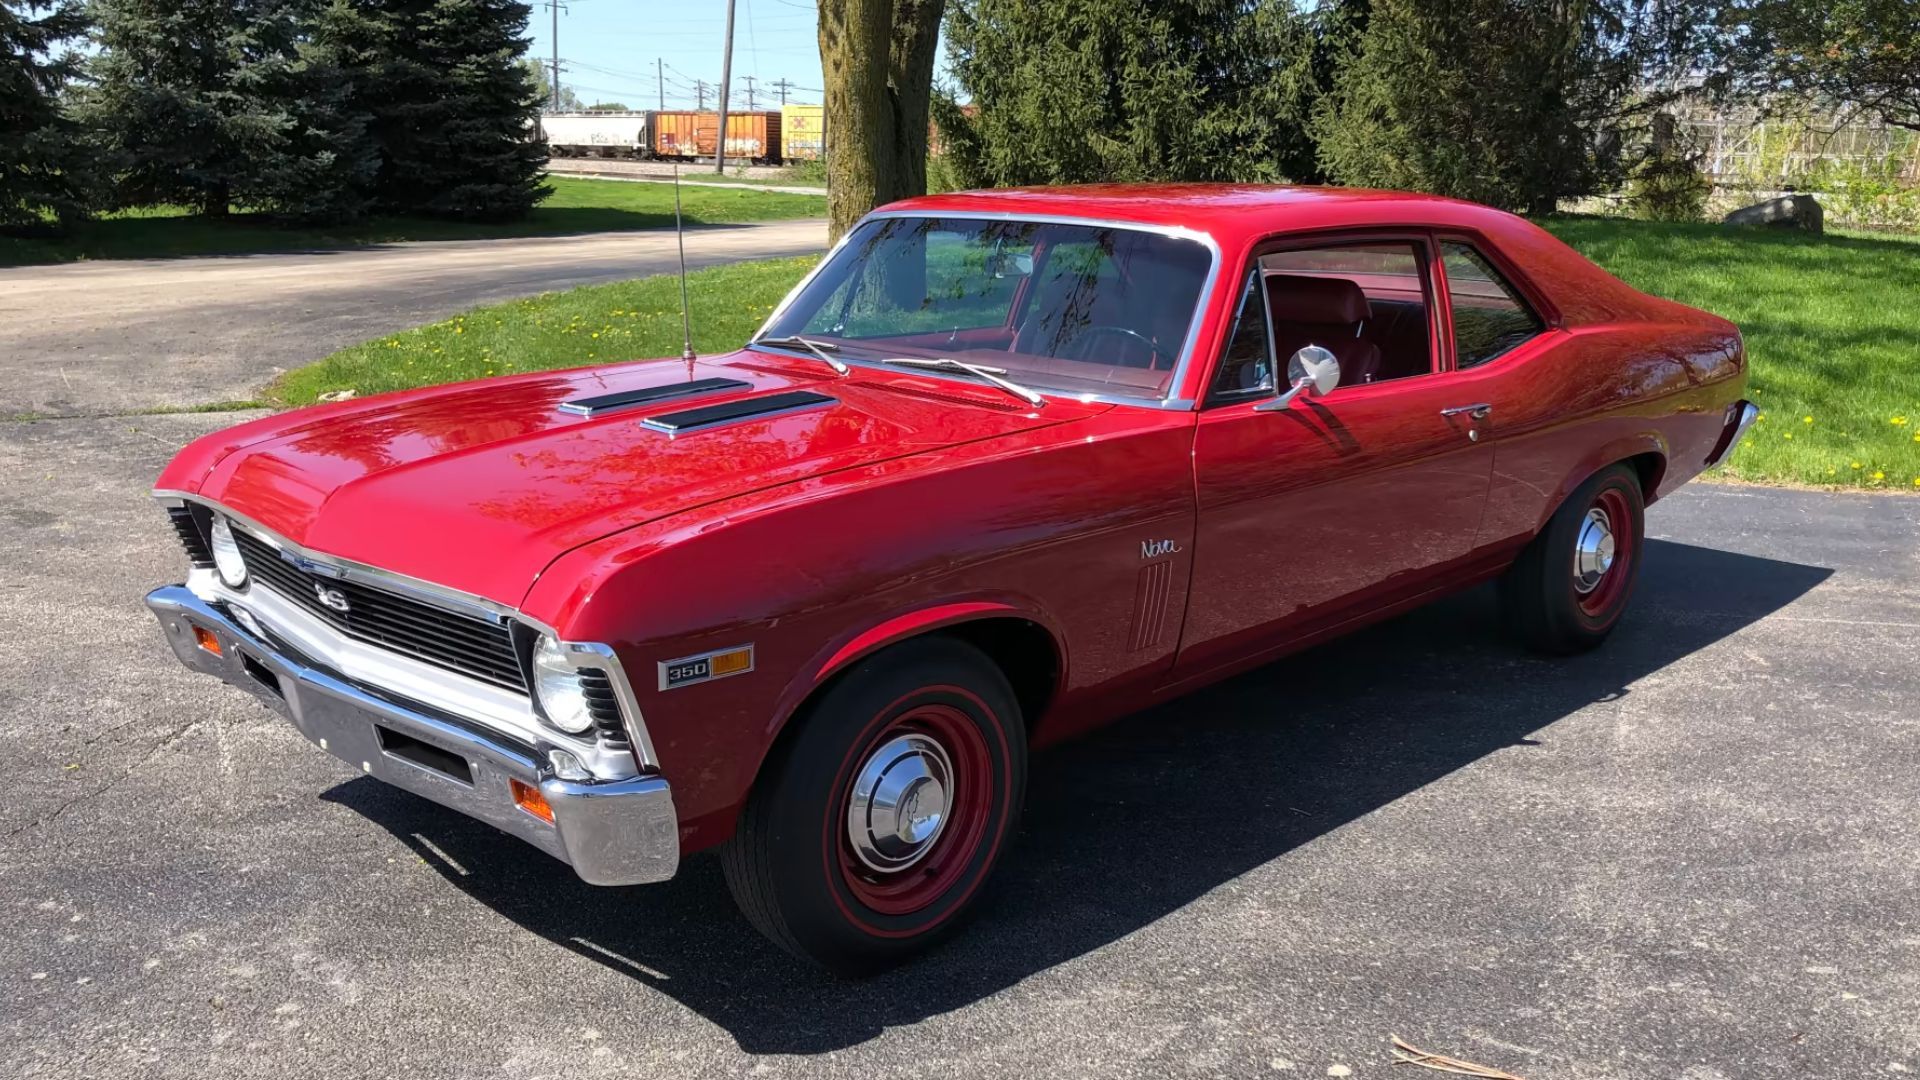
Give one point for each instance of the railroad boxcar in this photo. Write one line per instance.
(803, 132)
(687, 135)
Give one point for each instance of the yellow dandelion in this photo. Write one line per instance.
(1789, 435)
(1878, 475)
(1856, 465)
(1806, 419)
(1899, 421)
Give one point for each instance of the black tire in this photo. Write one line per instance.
(792, 864)
(1545, 601)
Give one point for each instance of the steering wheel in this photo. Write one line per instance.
(1155, 353)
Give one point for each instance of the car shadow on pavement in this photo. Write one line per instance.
(1134, 822)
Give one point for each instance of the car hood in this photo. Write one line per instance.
(480, 486)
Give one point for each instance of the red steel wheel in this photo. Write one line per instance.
(1603, 554)
(1568, 589)
(916, 810)
(884, 808)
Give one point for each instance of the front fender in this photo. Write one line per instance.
(842, 651)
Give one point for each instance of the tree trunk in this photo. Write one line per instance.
(877, 59)
(216, 200)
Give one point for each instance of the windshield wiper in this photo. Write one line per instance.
(993, 375)
(821, 349)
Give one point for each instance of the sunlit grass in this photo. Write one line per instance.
(1832, 327)
(589, 325)
(577, 205)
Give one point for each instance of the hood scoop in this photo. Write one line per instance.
(624, 399)
(706, 416)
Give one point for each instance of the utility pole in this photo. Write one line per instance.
(700, 95)
(749, 93)
(554, 104)
(660, 73)
(726, 75)
(782, 85)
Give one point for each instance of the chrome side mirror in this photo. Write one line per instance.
(1322, 370)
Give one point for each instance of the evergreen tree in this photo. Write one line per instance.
(38, 170)
(209, 103)
(1509, 102)
(450, 105)
(1081, 90)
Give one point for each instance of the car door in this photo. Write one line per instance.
(1315, 513)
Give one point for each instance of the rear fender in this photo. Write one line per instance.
(1620, 449)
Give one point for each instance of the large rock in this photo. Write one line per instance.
(1789, 211)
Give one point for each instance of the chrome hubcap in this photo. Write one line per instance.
(1593, 551)
(899, 802)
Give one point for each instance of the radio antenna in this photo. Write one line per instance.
(680, 239)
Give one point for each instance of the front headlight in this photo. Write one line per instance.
(226, 554)
(558, 685)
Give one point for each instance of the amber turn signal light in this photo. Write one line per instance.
(528, 798)
(205, 639)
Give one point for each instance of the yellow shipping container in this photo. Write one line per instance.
(802, 132)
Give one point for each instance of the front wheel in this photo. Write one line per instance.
(875, 824)
(1570, 586)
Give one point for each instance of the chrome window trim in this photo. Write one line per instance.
(426, 682)
(1189, 349)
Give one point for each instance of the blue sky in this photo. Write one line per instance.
(608, 49)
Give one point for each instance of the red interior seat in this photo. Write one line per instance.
(1329, 312)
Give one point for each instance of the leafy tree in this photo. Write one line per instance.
(542, 81)
(1125, 91)
(1863, 53)
(607, 106)
(38, 173)
(1508, 102)
(450, 105)
(215, 102)
(877, 59)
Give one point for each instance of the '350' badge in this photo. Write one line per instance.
(705, 667)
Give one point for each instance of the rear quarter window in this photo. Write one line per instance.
(1490, 317)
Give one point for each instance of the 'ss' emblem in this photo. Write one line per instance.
(332, 598)
(1153, 549)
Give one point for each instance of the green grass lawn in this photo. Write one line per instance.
(591, 324)
(577, 205)
(1832, 327)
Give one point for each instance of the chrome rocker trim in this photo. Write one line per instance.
(617, 832)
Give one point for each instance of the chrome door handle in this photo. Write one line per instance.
(1478, 411)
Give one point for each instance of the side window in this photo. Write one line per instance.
(1489, 315)
(1247, 368)
(1365, 303)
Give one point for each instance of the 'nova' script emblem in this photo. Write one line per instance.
(1153, 549)
(333, 598)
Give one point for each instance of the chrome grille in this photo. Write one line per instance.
(603, 706)
(477, 648)
(198, 553)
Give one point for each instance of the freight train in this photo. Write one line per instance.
(684, 135)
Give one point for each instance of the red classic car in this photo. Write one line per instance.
(1004, 466)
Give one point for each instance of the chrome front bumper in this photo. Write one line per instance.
(618, 832)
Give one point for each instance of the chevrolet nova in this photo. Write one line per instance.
(1006, 465)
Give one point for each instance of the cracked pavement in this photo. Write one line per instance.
(1689, 854)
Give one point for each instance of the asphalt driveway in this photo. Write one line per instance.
(1690, 854)
(116, 336)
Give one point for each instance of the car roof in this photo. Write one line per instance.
(1228, 212)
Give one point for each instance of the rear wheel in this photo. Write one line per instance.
(1569, 588)
(873, 828)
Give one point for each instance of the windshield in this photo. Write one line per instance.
(1071, 308)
